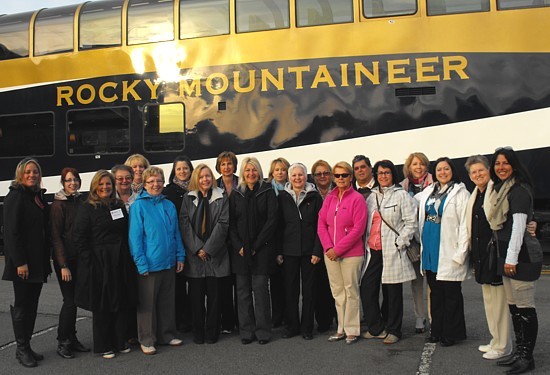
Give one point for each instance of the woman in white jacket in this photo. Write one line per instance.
(444, 239)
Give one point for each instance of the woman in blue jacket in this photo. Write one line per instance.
(157, 249)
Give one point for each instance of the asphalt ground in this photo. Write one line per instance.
(281, 356)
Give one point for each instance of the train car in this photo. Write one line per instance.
(89, 84)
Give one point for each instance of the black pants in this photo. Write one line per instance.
(293, 266)
(447, 308)
(109, 330)
(228, 302)
(205, 322)
(66, 330)
(26, 300)
(277, 292)
(183, 303)
(254, 307)
(325, 310)
(370, 294)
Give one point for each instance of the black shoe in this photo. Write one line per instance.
(77, 346)
(37, 357)
(211, 341)
(263, 342)
(323, 329)
(64, 349)
(447, 342)
(509, 360)
(433, 339)
(521, 366)
(307, 336)
(25, 357)
(246, 341)
(198, 340)
(289, 334)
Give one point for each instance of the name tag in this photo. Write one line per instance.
(117, 214)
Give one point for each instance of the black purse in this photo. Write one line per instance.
(492, 254)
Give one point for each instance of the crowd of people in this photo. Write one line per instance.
(150, 257)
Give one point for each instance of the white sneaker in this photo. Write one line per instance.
(368, 335)
(485, 348)
(494, 354)
(149, 350)
(175, 342)
(126, 350)
(108, 355)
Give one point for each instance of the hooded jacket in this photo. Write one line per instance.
(154, 236)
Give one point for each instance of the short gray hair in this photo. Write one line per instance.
(476, 159)
(297, 165)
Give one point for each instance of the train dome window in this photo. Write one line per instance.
(199, 18)
(519, 4)
(258, 15)
(100, 24)
(98, 131)
(27, 134)
(441, 7)
(163, 127)
(315, 12)
(53, 30)
(14, 35)
(150, 21)
(388, 8)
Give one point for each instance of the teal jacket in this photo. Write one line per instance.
(155, 240)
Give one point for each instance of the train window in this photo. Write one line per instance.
(257, 15)
(203, 18)
(323, 12)
(100, 24)
(98, 131)
(163, 127)
(439, 7)
(53, 30)
(517, 4)
(27, 134)
(150, 21)
(14, 35)
(387, 8)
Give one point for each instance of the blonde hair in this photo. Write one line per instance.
(93, 198)
(407, 166)
(137, 157)
(153, 171)
(273, 165)
(343, 165)
(194, 180)
(254, 162)
(20, 172)
(318, 164)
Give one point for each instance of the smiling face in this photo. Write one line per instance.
(251, 175)
(182, 171)
(384, 176)
(123, 181)
(417, 168)
(503, 169)
(138, 169)
(104, 188)
(479, 174)
(298, 179)
(322, 177)
(363, 173)
(71, 184)
(205, 181)
(154, 184)
(31, 175)
(227, 168)
(280, 173)
(443, 172)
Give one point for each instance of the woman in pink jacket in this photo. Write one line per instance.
(341, 226)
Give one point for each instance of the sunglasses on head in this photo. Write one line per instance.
(343, 175)
(509, 148)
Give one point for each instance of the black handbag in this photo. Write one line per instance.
(492, 254)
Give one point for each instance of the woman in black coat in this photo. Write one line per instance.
(177, 186)
(299, 204)
(107, 277)
(26, 247)
(62, 215)
(253, 212)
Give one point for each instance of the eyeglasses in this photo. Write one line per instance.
(72, 180)
(343, 175)
(509, 148)
(322, 174)
(159, 182)
(127, 178)
(384, 173)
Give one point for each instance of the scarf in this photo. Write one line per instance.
(498, 204)
(182, 184)
(416, 185)
(201, 217)
(438, 194)
(277, 187)
(137, 188)
(252, 228)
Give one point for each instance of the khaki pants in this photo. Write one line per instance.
(519, 293)
(344, 277)
(498, 317)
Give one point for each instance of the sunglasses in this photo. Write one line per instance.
(343, 175)
(321, 174)
(509, 148)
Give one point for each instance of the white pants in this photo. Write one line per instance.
(498, 317)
